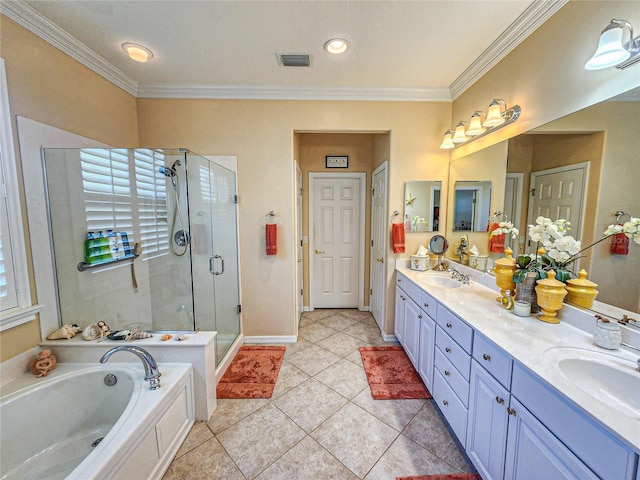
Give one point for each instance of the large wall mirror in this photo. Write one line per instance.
(422, 206)
(594, 153)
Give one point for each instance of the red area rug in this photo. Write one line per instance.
(391, 375)
(444, 476)
(252, 373)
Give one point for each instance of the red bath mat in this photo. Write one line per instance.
(252, 373)
(391, 375)
(444, 476)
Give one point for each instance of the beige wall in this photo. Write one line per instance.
(261, 135)
(545, 74)
(48, 86)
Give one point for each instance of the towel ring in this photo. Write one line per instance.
(271, 217)
(393, 215)
(620, 214)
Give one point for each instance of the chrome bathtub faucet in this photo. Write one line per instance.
(151, 371)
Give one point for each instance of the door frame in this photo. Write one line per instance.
(362, 177)
(383, 294)
(298, 233)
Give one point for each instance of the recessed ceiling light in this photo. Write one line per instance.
(137, 52)
(336, 46)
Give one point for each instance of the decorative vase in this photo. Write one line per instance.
(550, 293)
(503, 269)
(607, 334)
(526, 291)
(581, 292)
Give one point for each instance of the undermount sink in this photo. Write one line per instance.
(442, 281)
(610, 379)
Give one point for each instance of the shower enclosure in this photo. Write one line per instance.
(145, 238)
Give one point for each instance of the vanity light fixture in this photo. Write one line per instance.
(460, 135)
(498, 116)
(137, 52)
(611, 52)
(447, 141)
(475, 125)
(336, 46)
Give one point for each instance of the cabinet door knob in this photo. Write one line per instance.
(447, 373)
(399, 280)
(511, 411)
(426, 304)
(486, 357)
(420, 316)
(445, 403)
(449, 325)
(447, 349)
(500, 400)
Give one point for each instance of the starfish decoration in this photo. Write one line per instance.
(409, 200)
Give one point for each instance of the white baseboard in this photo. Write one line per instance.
(389, 338)
(271, 339)
(307, 308)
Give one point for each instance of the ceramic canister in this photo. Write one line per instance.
(607, 334)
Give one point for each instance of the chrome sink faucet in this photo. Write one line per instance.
(461, 277)
(151, 371)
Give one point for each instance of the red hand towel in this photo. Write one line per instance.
(271, 235)
(496, 242)
(397, 237)
(620, 244)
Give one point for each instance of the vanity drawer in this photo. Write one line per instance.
(428, 304)
(493, 359)
(601, 452)
(459, 330)
(451, 407)
(410, 288)
(456, 381)
(454, 353)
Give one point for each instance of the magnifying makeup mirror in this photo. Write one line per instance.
(438, 245)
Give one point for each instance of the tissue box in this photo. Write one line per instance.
(420, 262)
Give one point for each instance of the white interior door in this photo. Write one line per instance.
(559, 193)
(336, 240)
(299, 270)
(378, 243)
(513, 205)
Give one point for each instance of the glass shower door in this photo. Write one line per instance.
(212, 191)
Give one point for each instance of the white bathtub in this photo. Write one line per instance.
(51, 427)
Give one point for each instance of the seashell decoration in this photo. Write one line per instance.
(92, 332)
(130, 335)
(166, 336)
(66, 331)
(43, 363)
(137, 334)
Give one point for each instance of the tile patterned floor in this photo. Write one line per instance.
(321, 422)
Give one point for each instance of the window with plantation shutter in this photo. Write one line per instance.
(107, 188)
(151, 198)
(16, 307)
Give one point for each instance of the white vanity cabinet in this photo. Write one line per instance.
(512, 423)
(415, 327)
(519, 429)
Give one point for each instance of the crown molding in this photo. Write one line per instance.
(294, 92)
(36, 23)
(534, 16)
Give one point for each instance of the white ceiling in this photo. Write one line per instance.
(395, 45)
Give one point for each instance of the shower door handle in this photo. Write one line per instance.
(211, 260)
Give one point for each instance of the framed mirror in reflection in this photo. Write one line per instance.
(422, 206)
(589, 160)
(472, 206)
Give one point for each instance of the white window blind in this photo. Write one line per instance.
(8, 294)
(151, 198)
(107, 187)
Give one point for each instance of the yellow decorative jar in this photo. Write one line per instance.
(504, 269)
(550, 293)
(581, 292)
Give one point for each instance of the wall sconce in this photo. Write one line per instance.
(497, 117)
(611, 52)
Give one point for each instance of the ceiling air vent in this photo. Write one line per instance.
(294, 59)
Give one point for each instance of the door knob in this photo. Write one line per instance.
(380, 260)
(319, 251)
(299, 260)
